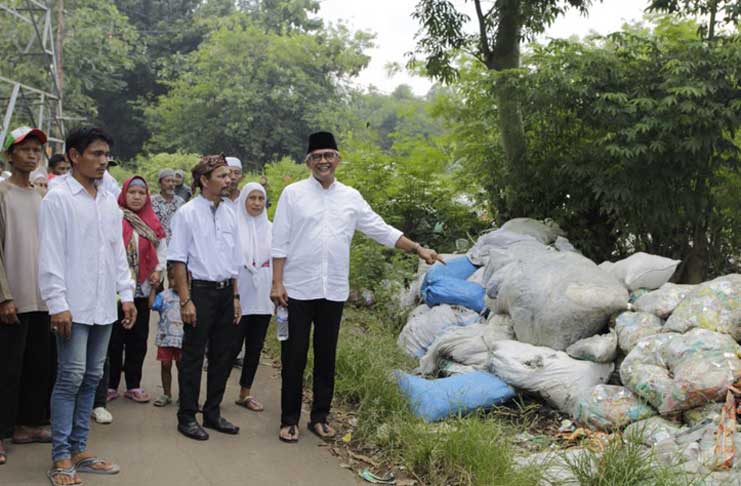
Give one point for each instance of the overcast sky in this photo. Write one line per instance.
(395, 28)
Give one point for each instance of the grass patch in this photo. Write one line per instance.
(625, 461)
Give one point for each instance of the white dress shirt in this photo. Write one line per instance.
(313, 228)
(205, 240)
(82, 261)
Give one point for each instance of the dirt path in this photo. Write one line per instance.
(144, 441)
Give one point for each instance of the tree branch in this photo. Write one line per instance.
(485, 49)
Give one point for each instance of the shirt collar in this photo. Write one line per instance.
(73, 184)
(318, 184)
(205, 202)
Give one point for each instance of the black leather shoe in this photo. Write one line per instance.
(221, 425)
(193, 431)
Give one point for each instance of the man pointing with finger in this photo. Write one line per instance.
(82, 267)
(313, 227)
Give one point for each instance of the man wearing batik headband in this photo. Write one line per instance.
(204, 236)
(314, 224)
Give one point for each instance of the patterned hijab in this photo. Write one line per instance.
(147, 225)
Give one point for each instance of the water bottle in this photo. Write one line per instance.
(281, 319)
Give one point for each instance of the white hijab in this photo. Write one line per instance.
(255, 232)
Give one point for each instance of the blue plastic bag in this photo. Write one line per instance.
(458, 267)
(447, 284)
(460, 394)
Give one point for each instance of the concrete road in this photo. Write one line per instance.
(143, 439)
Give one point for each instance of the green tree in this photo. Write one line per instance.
(501, 26)
(253, 93)
(99, 47)
(716, 12)
(631, 143)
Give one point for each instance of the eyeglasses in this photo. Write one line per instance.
(328, 156)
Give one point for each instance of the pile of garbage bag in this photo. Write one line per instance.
(610, 345)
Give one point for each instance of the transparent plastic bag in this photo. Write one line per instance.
(610, 407)
(677, 372)
(713, 305)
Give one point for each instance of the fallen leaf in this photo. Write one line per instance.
(347, 438)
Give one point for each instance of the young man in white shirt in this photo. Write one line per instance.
(204, 238)
(312, 230)
(82, 269)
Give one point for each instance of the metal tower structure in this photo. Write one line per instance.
(35, 100)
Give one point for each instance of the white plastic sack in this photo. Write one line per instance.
(677, 372)
(494, 240)
(563, 244)
(469, 346)
(427, 323)
(601, 348)
(631, 327)
(557, 378)
(644, 271)
(555, 299)
(663, 301)
(545, 232)
(410, 297)
(518, 252)
(478, 276)
(714, 305)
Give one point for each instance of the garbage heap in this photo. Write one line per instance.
(611, 345)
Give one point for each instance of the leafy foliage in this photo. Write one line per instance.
(627, 138)
(253, 93)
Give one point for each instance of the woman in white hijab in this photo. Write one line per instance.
(255, 281)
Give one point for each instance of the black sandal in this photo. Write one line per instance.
(293, 431)
(329, 432)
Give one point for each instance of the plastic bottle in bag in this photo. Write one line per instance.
(281, 319)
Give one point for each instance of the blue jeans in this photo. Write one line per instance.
(80, 361)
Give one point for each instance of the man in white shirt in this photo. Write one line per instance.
(235, 176)
(204, 237)
(82, 269)
(312, 230)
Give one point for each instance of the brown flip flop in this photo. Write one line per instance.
(250, 404)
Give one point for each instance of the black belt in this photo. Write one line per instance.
(207, 284)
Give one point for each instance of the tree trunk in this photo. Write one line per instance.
(505, 55)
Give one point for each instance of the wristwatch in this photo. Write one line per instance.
(183, 304)
(236, 296)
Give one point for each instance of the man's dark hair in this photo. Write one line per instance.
(81, 138)
(55, 159)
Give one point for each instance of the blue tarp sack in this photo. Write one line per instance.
(447, 284)
(460, 394)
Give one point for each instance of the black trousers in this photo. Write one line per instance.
(326, 316)
(253, 329)
(25, 372)
(215, 327)
(128, 348)
(101, 393)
